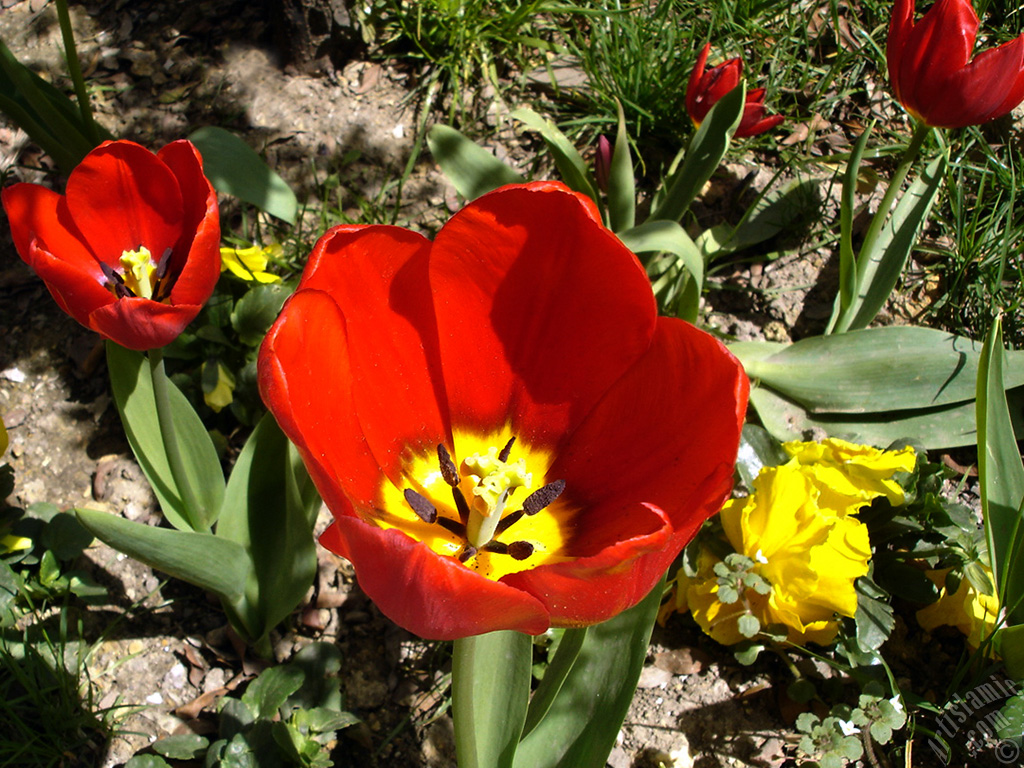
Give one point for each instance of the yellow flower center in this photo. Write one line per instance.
(478, 510)
(139, 276)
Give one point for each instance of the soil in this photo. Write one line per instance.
(164, 69)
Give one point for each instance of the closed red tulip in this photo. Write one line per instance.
(131, 250)
(506, 433)
(707, 87)
(932, 73)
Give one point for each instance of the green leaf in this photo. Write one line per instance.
(573, 170)
(879, 270)
(256, 311)
(276, 535)
(1012, 725)
(320, 663)
(894, 368)
(621, 184)
(707, 148)
(235, 169)
(947, 426)
(1008, 643)
(202, 559)
(133, 394)
(748, 625)
(668, 237)
(490, 692)
(147, 761)
(65, 536)
(580, 728)
(268, 692)
(472, 169)
(874, 616)
(1001, 477)
(555, 675)
(757, 449)
(186, 746)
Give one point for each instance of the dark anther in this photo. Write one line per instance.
(506, 522)
(122, 291)
(424, 510)
(495, 547)
(453, 526)
(507, 450)
(461, 505)
(449, 471)
(540, 498)
(163, 264)
(467, 552)
(520, 550)
(110, 274)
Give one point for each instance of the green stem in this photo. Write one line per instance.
(490, 693)
(161, 394)
(75, 70)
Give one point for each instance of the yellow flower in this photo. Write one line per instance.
(251, 263)
(3, 438)
(972, 612)
(848, 476)
(218, 394)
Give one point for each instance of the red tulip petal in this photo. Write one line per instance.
(937, 47)
(120, 197)
(981, 89)
(141, 324)
(196, 259)
(432, 596)
(899, 28)
(529, 291)
(696, 110)
(37, 213)
(306, 378)
(670, 423)
(377, 276)
(75, 290)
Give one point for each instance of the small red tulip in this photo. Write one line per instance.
(506, 433)
(932, 74)
(706, 88)
(603, 162)
(131, 250)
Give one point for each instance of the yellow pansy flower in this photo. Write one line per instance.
(251, 263)
(972, 612)
(847, 475)
(222, 393)
(810, 556)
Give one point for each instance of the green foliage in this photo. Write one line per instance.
(288, 716)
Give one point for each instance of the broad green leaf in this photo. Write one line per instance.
(757, 449)
(580, 728)
(202, 559)
(621, 183)
(133, 394)
(276, 535)
(874, 615)
(472, 169)
(876, 370)
(668, 237)
(1010, 728)
(185, 746)
(554, 677)
(268, 692)
(65, 536)
(1008, 643)
(707, 148)
(256, 311)
(147, 761)
(320, 662)
(1001, 477)
(879, 270)
(235, 169)
(490, 693)
(573, 170)
(946, 426)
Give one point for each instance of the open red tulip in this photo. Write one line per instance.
(131, 250)
(507, 435)
(932, 74)
(707, 87)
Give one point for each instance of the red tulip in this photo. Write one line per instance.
(706, 88)
(932, 74)
(507, 435)
(132, 249)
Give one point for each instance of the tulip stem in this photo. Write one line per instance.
(881, 216)
(490, 694)
(75, 70)
(169, 436)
